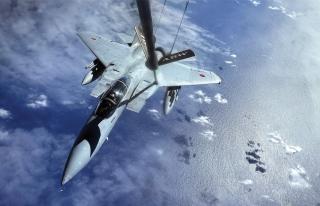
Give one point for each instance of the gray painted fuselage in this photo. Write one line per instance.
(96, 130)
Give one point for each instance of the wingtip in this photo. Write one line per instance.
(85, 34)
(220, 80)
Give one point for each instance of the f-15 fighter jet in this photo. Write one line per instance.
(129, 74)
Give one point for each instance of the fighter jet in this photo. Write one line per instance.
(129, 74)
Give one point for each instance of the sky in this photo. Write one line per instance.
(253, 140)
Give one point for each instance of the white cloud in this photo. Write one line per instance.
(219, 98)
(207, 100)
(200, 93)
(159, 151)
(196, 99)
(233, 55)
(255, 2)
(267, 197)
(191, 34)
(37, 102)
(155, 133)
(67, 102)
(82, 102)
(27, 156)
(283, 10)
(200, 97)
(155, 114)
(36, 154)
(4, 114)
(298, 177)
(209, 134)
(3, 134)
(203, 120)
(275, 137)
(228, 62)
(246, 182)
(290, 149)
(274, 8)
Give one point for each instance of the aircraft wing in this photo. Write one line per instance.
(178, 74)
(108, 52)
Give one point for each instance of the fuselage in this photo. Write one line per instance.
(99, 125)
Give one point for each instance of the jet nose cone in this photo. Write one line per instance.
(78, 159)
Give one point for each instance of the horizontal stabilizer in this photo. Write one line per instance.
(177, 74)
(176, 57)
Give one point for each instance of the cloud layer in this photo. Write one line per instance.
(162, 162)
(4, 114)
(37, 102)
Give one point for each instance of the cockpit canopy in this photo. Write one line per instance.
(111, 99)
